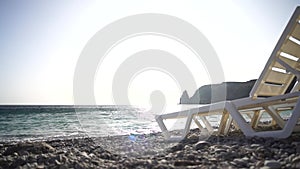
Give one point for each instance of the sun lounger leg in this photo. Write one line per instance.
(223, 122)
(288, 128)
(198, 123)
(291, 123)
(246, 128)
(273, 122)
(235, 124)
(162, 126)
(249, 116)
(207, 124)
(275, 116)
(228, 125)
(202, 129)
(255, 118)
(187, 125)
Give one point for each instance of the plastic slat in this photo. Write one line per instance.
(296, 32)
(290, 62)
(269, 90)
(278, 77)
(291, 48)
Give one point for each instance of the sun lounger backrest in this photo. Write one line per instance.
(282, 69)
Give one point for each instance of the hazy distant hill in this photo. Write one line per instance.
(216, 92)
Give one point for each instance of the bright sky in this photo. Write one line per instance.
(40, 42)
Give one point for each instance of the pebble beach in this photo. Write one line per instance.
(153, 151)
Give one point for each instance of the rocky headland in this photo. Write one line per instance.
(218, 92)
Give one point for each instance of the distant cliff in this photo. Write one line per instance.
(216, 92)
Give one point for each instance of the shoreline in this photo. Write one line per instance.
(152, 151)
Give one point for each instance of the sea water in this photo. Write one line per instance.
(44, 122)
(61, 122)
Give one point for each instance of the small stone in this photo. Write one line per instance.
(265, 167)
(201, 144)
(219, 150)
(259, 164)
(9, 158)
(184, 163)
(213, 159)
(28, 165)
(41, 166)
(296, 162)
(96, 162)
(254, 145)
(63, 166)
(18, 162)
(177, 147)
(61, 152)
(188, 148)
(63, 158)
(245, 158)
(179, 154)
(191, 157)
(162, 166)
(233, 163)
(163, 161)
(240, 162)
(272, 164)
(169, 156)
(22, 153)
(194, 138)
(149, 162)
(296, 159)
(47, 147)
(106, 156)
(92, 155)
(78, 165)
(291, 157)
(85, 155)
(31, 159)
(290, 166)
(41, 159)
(296, 143)
(57, 162)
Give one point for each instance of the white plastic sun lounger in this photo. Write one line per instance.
(276, 90)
